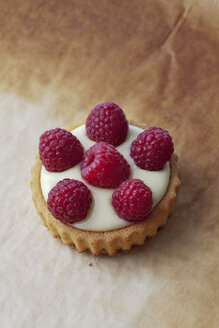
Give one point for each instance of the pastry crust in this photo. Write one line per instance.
(114, 241)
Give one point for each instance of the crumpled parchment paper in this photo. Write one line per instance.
(159, 61)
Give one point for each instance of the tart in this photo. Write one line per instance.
(110, 241)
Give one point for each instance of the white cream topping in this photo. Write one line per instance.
(102, 216)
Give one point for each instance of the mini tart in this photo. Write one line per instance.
(114, 241)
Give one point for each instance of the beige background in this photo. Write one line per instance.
(159, 60)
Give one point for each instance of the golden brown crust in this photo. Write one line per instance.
(107, 242)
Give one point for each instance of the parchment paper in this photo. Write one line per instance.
(159, 60)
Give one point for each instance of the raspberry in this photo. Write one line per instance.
(69, 201)
(108, 123)
(132, 200)
(59, 150)
(152, 149)
(103, 166)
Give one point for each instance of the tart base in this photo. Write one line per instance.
(114, 241)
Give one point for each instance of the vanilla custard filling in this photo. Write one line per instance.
(102, 216)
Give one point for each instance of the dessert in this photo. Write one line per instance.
(105, 202)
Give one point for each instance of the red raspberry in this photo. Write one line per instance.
(132, 200)
(69, 201)
(103, 166)
(108, 123)
(152, 149)
(59, 150)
